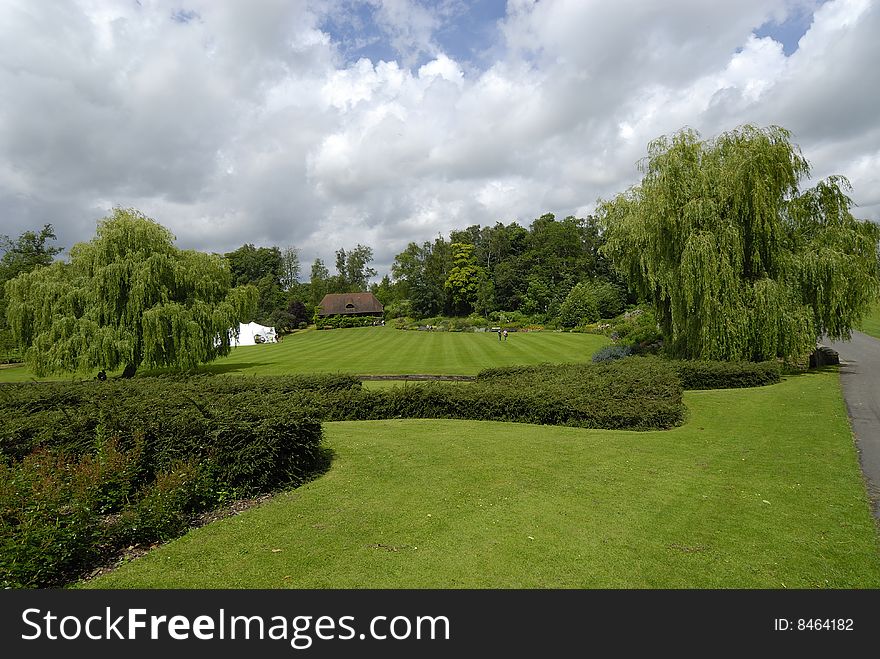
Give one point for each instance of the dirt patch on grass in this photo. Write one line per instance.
(135, 551)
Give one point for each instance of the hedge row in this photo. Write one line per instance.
(90, 468)
(726, 375)
(343, 321)
(640, 396)
(176, 415)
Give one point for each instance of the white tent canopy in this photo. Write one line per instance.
(250, 334)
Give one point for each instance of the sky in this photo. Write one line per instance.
(323, 125)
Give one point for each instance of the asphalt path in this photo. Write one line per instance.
(860, 377)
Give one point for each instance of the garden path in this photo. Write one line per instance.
(860, 377)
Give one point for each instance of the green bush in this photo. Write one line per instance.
(164, 508)
(88, 468)
(643, 395)
(726, 375)
(589, 301)
(610, 353)
(343, 321)
(637, 329)
(47, 529)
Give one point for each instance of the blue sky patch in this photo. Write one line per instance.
(790, 31)
(184, 15)
(465, 31)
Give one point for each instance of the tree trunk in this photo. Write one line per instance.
(129, 371)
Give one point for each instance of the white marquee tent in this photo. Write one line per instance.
(250, 334)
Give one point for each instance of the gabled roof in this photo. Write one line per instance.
(349, 303)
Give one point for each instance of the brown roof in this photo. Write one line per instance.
(349, 303)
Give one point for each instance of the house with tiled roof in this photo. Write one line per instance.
(350, 304)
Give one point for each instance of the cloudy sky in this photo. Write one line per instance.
(330, 123)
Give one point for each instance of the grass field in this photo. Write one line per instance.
(387, 351)
(871, 324)
(760, 489)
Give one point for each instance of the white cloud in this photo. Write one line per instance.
(245, 124)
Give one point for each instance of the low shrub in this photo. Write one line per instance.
(610, 353)
(49, 530)
(344, 321)
(726, 375)
(638, 329)
(641, 395)
(88, 468)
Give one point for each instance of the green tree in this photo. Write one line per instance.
(465, 278)
(738, 262)
(353, 269)
(319, 281)
(590, 301)
(24, 254)
(290, 268)
(127, 298)
(250, 264)
(421, 273)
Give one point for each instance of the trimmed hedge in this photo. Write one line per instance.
(726, 375)
(638, 395)
(89, 468)
(343, 321)
(167, 410)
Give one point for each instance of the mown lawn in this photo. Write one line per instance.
(760, 489)
(388, 351)
(871, 324)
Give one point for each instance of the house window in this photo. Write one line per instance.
(349, 306)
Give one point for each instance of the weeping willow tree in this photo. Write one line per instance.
(737, 260)
(125, 299)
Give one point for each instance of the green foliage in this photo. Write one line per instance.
(580, 306)
(465, 278)
(486, 269)
(590, 301)
(88, 468)
(631, 394)
(738, 263)
(610, 353)
(24, 254)
(421, 271)
(726, 375)
(49, 531)
(637, 329)
(339, 321)
(353, 270)
(295, 316)
(127, 298)
(249, 264)
(164, 508)
(319, 282)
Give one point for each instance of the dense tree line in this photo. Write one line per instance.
(504, 268)
(21, 255)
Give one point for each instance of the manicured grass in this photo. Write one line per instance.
(760, 489)
(871, 324)
(388, 351)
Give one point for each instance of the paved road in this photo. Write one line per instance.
(860, 376)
